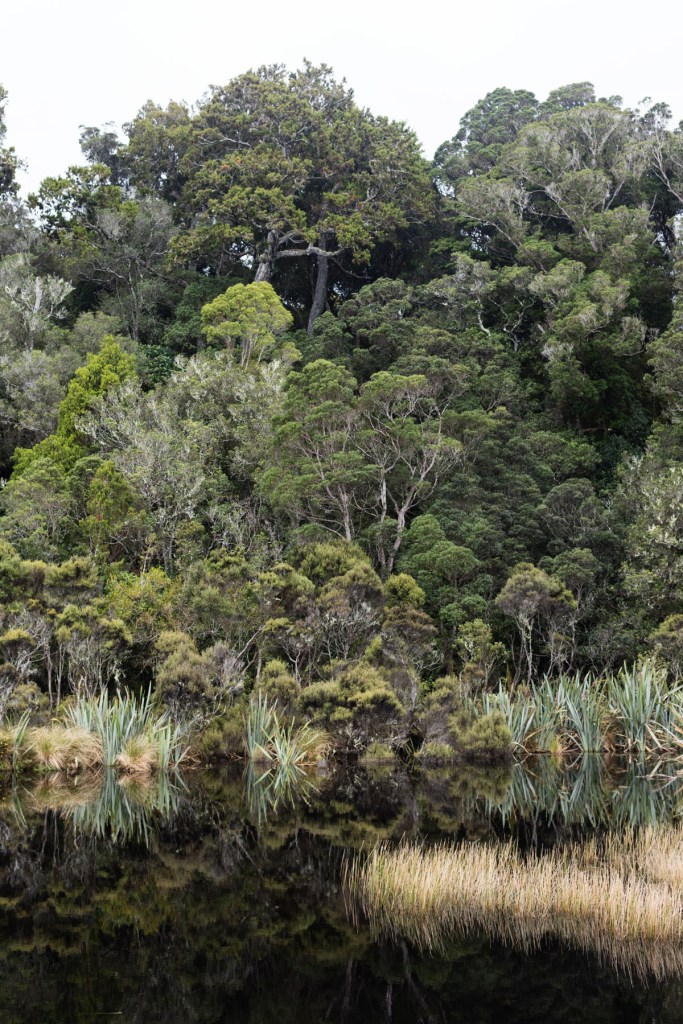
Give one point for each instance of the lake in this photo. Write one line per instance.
(217, 897)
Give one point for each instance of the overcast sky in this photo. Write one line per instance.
(72, 62)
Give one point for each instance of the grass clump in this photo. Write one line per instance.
(133, 735)
(58, 749)
(634, 712)
(125, 732)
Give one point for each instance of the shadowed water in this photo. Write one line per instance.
(217, 897)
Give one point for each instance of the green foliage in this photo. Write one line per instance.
(481, 737)
(102, 373)
(378, 751)
(184, 335)
(246, 319)
(146, 604)
(667, 641)
(436, 751)
(402, 589)
(359, 706)
(279, 685)
(463, 481)
(223, 736)
(183, 680)
(115, 524)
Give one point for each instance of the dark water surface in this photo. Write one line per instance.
(217, 898)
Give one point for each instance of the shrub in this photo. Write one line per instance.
(435, 751)
(481, 737)
(224, 736)
(379, 751)
(279, 685)
(181, 677)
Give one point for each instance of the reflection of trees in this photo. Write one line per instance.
(223, 918)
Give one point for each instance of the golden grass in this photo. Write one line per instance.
(622, 901)
(139, 757)
(57, 749)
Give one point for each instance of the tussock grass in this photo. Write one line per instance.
(138, 757)
(124, 732)
(64, 750)
(622, 900)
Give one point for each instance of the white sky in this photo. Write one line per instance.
(75, 62)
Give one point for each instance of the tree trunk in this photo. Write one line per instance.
(320, 292)
(264, 270)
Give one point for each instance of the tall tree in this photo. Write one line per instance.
(279, 166)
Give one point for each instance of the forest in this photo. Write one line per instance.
(291, 412)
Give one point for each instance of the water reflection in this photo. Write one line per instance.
(277, 788)
(591, 793)
(217, 898)
(120, 809)
(383, 801)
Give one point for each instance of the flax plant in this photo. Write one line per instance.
(270, 739)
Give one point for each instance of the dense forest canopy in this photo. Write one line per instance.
(284, 403)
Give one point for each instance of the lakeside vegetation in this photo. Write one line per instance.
(292, 417)
(620, 897)
(125, 733)
(179, 917)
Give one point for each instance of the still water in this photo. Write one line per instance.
(216, 898)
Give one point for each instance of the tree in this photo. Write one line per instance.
(127, 256)
(158, 140)
(103, 373)
(284, 166)
(164, 457)
(484, 130)
(247, 319)
(107, 241)
(404, 440)
(28, 302)
(8, 158)
(38, 508)
(653, 571)
(532, 599)
(347, 461)
(666, 352)
(320, 475)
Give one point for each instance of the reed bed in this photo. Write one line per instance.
(621, 899)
